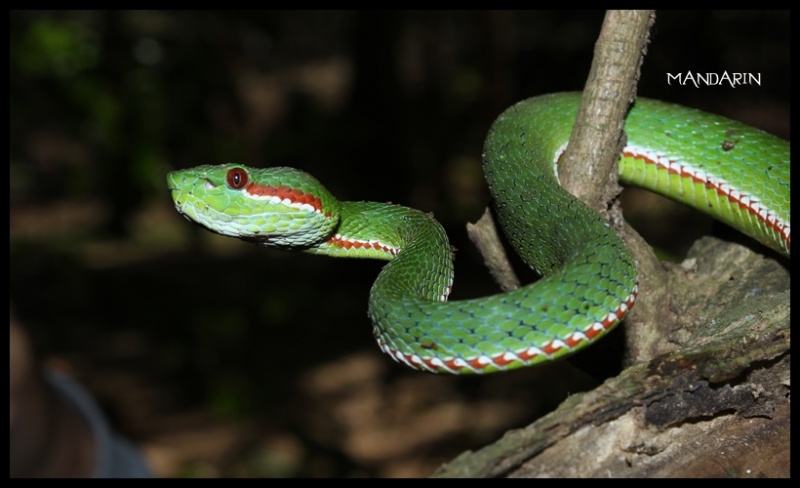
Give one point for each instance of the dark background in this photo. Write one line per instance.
(223, 359)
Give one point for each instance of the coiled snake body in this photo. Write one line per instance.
(738, 174)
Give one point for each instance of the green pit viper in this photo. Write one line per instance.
(736, 173)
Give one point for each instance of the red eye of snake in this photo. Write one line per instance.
(237, 178)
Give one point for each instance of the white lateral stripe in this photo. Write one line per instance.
(275, 200)
(745, 199)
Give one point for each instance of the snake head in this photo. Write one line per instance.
(276, 207)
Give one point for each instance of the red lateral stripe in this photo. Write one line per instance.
(476, 364)
(284, 192)
(769, 219)
(528, 354)
(573, 340)
(503, 359)
(610, 320)
(551, 348)
(451, 364)
(348, 244)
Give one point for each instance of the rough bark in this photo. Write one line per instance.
(708, 390)
(716, 405)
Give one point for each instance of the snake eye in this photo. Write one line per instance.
(237, 178)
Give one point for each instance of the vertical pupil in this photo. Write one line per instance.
(236, 178)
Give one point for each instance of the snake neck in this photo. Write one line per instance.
(411, 240)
